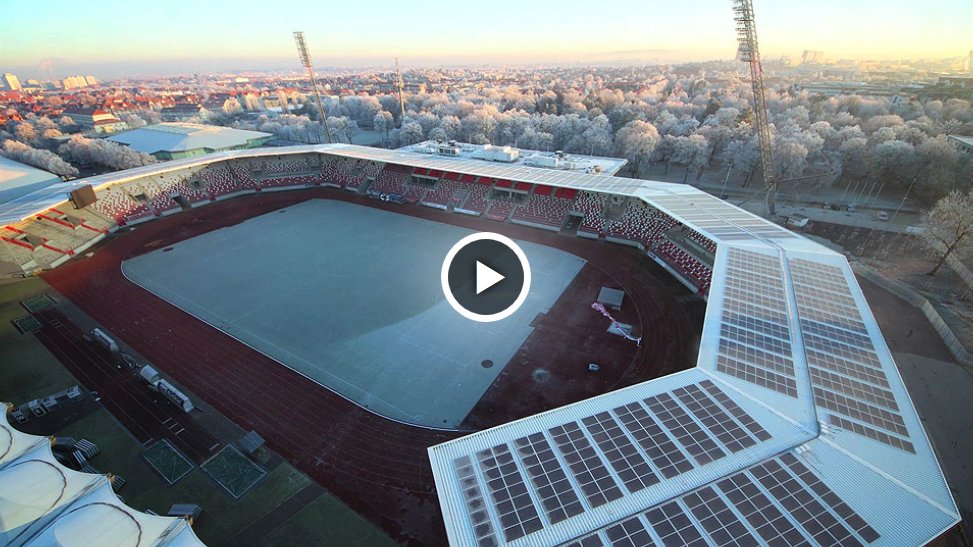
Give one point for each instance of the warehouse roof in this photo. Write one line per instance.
(181, 137)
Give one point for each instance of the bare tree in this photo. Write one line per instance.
(949, 227)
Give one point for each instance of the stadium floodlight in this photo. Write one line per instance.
(305, 56)
(749, 53)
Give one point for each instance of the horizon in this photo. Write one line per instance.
(868, 30)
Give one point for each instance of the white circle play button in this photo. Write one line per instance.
(485, 277)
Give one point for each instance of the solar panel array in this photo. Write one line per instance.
(755, 339)
(778, 502)
(549, 476)
(847, 377)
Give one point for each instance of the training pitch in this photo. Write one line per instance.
(350, 297)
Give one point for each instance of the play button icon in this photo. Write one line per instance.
(485, 277)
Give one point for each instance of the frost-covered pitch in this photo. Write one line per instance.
(350, 297)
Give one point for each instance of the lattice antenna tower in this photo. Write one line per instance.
(305, 56)
(749, 53)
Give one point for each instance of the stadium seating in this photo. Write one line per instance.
(121, 206)
(500, 210)
(391, 181)
(444, 190)
(360, 172)
(289, 180)
(705, 242)
(285, 166)
(476, 199)
(543, 209)
(338, 171)
(700, 274)
(636, 224)
(592, 205)
(223, 180)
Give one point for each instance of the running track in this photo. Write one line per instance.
(378, 467)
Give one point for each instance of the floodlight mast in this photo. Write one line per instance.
(398, 77)
(748, 52)
(306, 61)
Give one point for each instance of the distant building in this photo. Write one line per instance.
(183, 111)
(90, 80)
(965, 144)
(170, 141)
(969, 62)
(101, 121)
(11, 82)
(812, 57)
(74, 82)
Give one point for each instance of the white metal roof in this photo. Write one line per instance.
(181, 137)
(794, 383)
(19, 179)
(44, 503)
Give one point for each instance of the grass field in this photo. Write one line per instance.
(325, 521)
(233, 471)
(167, 461)
(222, 518)
(27, 369)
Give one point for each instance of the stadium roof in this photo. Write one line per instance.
(794, 427)
(182, 137)
(44, 503)
(19, 179)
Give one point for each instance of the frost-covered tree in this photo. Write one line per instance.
(411, 133)
(103, 152)
(636, 141)
(25, 132)
(251, 102)
(41, 159)
(949, 227)
(232, 107)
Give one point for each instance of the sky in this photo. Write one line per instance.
(113, 38)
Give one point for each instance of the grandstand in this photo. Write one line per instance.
(794, 427)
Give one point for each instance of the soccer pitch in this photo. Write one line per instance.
(350, 297)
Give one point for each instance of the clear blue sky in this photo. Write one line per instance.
(114, 37)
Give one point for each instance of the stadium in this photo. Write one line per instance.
(753, 400)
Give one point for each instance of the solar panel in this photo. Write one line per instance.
(556, 494)
(686, 431)
(629, 533)
(475, 505)
(590, 541)
(668, 459)
(871, 433)
(741, 415)
(631, 467)
(674, 527)
(772, 526)
(811, 480)
(595, 481)
(511, 501)
(715, 419)
(801, 503)
(755, 341)
(722, 525)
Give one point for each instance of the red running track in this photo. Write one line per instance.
(378, 467)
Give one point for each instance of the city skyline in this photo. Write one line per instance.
(222, 36)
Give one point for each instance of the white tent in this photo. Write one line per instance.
(44, 503)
